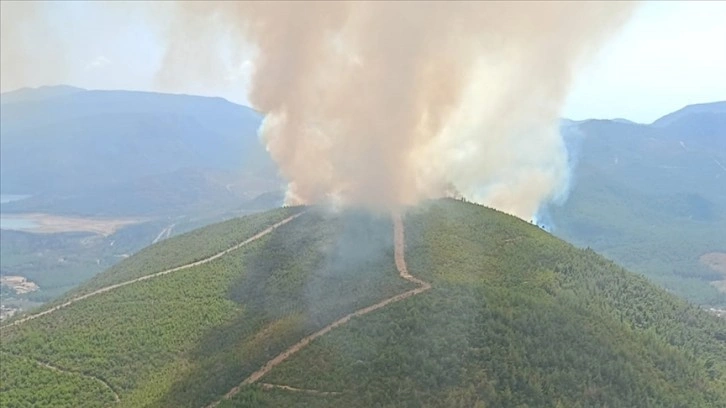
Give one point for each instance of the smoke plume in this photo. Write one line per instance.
(21, 60)
(383, 104)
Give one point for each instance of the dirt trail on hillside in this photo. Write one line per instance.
(399, 254)
(268, 386)
(69, 372)
(156, 275)
(98, 380)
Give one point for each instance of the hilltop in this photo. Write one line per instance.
(462, 307)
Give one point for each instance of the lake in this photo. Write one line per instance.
(16, 223)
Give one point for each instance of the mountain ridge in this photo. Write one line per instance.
(52, 146)
(718, 107)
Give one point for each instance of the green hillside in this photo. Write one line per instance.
(514, 318)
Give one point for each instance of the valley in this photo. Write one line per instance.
(87, 205)
(157, 274)
(651, 197)
(48, 223)
(58, 261)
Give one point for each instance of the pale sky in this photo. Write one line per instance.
(670, 54)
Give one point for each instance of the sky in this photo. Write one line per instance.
(668, 55)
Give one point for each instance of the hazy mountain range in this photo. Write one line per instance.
(122, 152)
(649, 196)
(169, 163)
(652, 197)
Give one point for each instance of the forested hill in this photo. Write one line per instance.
(652, 197)
(514, 317)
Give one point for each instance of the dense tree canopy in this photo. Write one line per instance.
(515, 318)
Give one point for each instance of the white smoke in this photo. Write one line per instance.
(382, 104)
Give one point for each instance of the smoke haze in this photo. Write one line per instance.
(20, 60)
(383, 104)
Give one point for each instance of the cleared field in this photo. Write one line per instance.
(47, 223)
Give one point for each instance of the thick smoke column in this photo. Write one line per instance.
(382, 104)
(20, 59)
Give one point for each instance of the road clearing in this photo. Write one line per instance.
(399, 255)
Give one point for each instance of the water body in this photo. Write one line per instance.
(13, 222)
(17, 223)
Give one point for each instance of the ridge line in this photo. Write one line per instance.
(157, 274)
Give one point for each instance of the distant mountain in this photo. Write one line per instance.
(319, 312)
(652, 197)
(184, 191)
(65, 140)
(172, 162)
(691, 111)
(621, 120)
(703, 125)
(37, 94)
(639, 191)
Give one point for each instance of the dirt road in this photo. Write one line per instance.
(267, 386)
(155, 275)
(399, 254)
(68, 372)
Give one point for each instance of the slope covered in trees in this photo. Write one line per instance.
(651, 197)
(514, 318)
